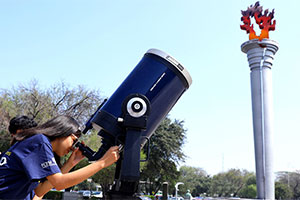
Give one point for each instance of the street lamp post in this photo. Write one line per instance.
(176, 188)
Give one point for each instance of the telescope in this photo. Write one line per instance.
(130, 116)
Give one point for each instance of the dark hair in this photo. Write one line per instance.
(21, 123)
(60, 126)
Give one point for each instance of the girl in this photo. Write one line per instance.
(30, 161)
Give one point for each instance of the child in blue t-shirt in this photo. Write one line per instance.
(31, 160)
(16, 125)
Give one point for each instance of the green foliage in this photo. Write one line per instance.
(54, 195)
(92, 140)
(248, 191)
(43, 104)
(282, 191)
(150, 196)
(228, 183)
(4, 140)
(165, 152)
(167, 141)
(85, 185)
(250, 179)
(292, 181)
(105, 177)
(195, 179)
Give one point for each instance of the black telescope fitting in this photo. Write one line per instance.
(86, 151)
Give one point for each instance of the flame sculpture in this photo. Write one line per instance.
(263, 20)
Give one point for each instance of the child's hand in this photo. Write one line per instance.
(111, 156)
(75, 157)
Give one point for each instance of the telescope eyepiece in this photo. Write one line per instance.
(86, 151)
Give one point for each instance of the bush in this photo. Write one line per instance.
(54, 195)
(282, 191)
(248, 191)
(150, 196)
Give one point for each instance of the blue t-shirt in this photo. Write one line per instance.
(24, 165)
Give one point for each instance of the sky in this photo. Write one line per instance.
(97, 44)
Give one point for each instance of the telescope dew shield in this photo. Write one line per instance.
(158, 77)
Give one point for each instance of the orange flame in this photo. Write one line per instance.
(263, 20)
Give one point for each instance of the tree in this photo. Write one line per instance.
(282, 191)
(248, 191)
(202, 187)
(43, 104)
(4, 141)
(228, 183)
(195, 179)
(292, 180)
(105, 177)
(165, 152)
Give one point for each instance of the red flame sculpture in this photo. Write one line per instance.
(263, 20)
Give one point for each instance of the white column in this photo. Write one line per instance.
(260, 57)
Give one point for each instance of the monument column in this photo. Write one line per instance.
(260, 56)
(260, 53)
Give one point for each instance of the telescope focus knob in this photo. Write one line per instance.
(136, 107)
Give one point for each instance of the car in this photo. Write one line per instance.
(97, 194)
(86, 194)
(178, 198)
